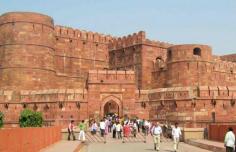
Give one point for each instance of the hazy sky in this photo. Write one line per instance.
(211, 22)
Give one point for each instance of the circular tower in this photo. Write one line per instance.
(189, 65)
(26, 51)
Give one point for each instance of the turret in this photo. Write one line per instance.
(189, 65)
(26, 50)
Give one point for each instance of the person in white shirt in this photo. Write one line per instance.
(94, 128)
(176, 133)
(229, 140)
(118, 130)
(156, 133)
(102, 125)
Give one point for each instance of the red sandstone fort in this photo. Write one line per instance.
(74, 74)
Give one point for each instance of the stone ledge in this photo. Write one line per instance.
(207, 144)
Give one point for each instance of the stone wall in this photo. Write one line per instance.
(74, 74)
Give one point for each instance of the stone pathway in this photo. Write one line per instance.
(115, 145)
(62, 146)
(140, 147)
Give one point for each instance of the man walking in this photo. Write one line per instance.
(71, 130)
(229, 140)
(176, 133)
(82, 131)
(118, 130)
(156, 133)
(102, 127)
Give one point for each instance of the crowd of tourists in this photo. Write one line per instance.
(125, 128)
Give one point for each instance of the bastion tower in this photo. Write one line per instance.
(26, 51)
(189, 65)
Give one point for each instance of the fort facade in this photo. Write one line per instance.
(73, 74)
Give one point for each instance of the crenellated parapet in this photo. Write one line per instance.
(76, 34)
(135, 39)
(225, 67)
(111, 76)
(159, 44)
(126, 41)
(229, 57)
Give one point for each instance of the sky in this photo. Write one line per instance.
(211, 22)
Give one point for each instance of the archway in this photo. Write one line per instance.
(111, 107)
(111, 104)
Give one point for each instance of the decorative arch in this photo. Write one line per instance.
(111, 98)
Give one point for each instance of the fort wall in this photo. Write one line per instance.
(230, 57)
(73, 74)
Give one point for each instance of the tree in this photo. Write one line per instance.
(1, 119)
(29, 118)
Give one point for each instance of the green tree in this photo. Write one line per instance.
(1, 119)
(29, 118)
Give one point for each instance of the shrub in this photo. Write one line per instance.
(1, 119)
(29, 118)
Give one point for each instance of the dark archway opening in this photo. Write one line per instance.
(111, 108)
(197, 51)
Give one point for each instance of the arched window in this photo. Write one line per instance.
(197, 51)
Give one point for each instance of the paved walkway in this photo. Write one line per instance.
(140, 147)
(62, 146)
(115, 145)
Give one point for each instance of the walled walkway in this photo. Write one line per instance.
(63, 146)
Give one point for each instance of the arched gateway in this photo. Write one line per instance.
(111, 105)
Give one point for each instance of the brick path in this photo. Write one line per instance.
(140, 147)
(62, 146)
(115, 145)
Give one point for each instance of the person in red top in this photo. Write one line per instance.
(127, 130)
(71, 130)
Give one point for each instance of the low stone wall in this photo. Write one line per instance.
(192, 133)
(28, 139)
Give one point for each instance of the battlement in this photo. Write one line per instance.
(27, 17)
(229, 57)
(126, 41)
(67, 32)
(134, 39)
(225, 66)
(158, 43)
(227, 92)
(111, 76)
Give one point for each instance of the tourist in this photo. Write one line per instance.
(110, 125)
(176, 133)
(142, 125)
(229, 142)
(118, 130)
(114, 130)
(134, 128)
(94, 128)
(156, 133)
(82, 127)
(147, 126)
(106, 125)
(102, 127)
(139, 124)
(71, 130)
(126, 130)
(205, 133)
